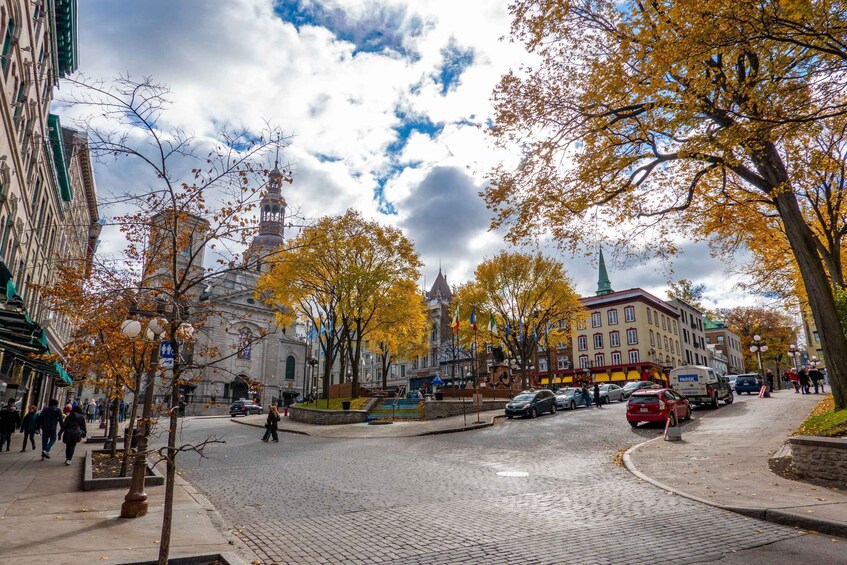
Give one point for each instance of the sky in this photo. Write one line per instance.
(386, 103)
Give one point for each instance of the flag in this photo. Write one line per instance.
(520, 335)
(455, 323)
(508, 330)
(473, 318)
(492, 324)
(535, 334)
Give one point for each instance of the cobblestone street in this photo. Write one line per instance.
(439, 499)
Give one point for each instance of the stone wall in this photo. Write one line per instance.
(819, 457)
(330, 417)
(434, 409)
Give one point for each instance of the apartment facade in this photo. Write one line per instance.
(691, 333)
(727, 342)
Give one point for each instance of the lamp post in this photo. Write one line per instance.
(814, 362)
(135, 501)
(793, 350)
(758, 348)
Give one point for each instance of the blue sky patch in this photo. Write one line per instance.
(455, 61)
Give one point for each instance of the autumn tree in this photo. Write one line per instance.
(349, 275)
(401, 330)
(531, 299)
(660, 117)
(777, 329)
(191, 206)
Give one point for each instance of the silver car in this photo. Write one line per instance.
(569, 398)
(610, 392)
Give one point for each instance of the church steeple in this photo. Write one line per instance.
(604, 286)
(271, 217)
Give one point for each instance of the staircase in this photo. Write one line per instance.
(401, 409)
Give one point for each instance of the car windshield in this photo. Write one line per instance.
(524, 397)
(630, 386)
(644, 399)
(565, 391)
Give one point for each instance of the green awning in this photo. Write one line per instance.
(66, 36)
(59, 160)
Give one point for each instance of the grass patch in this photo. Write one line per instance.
(825, 420)
(335, 404)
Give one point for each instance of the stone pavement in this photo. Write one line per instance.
(723, 462)
(45, 517)
(397, 429)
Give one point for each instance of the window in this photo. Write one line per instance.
(403, 371)
(7, 44)
(664, 322)
(596, 320)
(433, 335)
(598, 341)
(633, 356)
(666, 343)
(720, 339)
(616, 357)
(542, 365)
(580, 324)
(652, 342)
(674, 326)
(613, 317)
(817, 337)
(649, 317)
(582, 343)
(583, 361)
(599, 360)
(562, 362)
(245, 343)
(614, 339)
(629, 313)
(289, 368)
(677, 348)
(631, 336)
(488, 348)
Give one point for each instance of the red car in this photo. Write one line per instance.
(657, 405)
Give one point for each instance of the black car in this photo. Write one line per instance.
(243, 408)
(532, 403)
(632, 386)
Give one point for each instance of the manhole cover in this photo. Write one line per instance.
(512, 474)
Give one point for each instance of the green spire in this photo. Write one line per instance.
(604, 286)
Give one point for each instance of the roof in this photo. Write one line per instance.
(440, 288)
(624, 296)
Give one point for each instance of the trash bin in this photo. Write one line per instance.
(345, 404)
(439, 396)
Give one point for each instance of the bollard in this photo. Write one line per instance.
(672, 433)
(285, 411)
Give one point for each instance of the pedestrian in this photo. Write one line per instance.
(803, 377)
(585, 396)
(271, 424)
(786, 379)
(10, 420)
(769, 379)
(91, 411)
(122, 410)
(74, 402)
(49, 419)
(74, 430)
(815, 376)
(29, 425)
(795, 381)
(824, 379)
(597, 395)
(67, 409)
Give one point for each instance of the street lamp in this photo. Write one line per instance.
(758, 348)
(814, 362)
(793, 350)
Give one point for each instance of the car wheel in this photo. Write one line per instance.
(715, 403)
(729, 399)
(510, 417)
(533, 413)
(622, 398)
(555, 409)
(572, 405)
(607, 400)
(687, 414)
(633, 424)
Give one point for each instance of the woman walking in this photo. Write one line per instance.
(74, 430)
(29, 425)
(271, 424)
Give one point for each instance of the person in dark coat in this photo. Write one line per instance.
(49, 420)
(597, 400)
(29, 426)
(271, 424)
(769, 379)
(73, 429)
(10, 420)
(815, 376)
(804, 381)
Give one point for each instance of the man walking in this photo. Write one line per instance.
(804, 381)
(815, 376)
(769, 379)
(50, 419)
(91, 410)
(597, 400)
(10, 421)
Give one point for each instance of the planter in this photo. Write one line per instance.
(154, 477)
(214, 559)
(345, 405)
(439, 396)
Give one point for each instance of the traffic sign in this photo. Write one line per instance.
(166, 355)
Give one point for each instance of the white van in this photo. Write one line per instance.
(701, 385)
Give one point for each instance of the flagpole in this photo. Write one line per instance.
(474, 358)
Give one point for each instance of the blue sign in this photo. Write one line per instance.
(688, 378)
(166, 354)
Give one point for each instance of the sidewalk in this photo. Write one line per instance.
(397, 429)
(45, 517)
(723, 457)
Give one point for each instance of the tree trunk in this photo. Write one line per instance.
(170, 477)
(820, 293)
(131, 427)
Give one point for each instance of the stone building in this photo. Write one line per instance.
(727, 342)
(691, 333)
(48, 206)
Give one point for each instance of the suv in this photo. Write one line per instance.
(632, 386)
(532, 403)
(748, 382)
(244, 407)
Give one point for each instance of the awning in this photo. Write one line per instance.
(618, 376)
(545, 381)
(602, 377)
(633, 375)
(567, 380)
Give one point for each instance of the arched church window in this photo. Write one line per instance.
(289, 368)
(245, 343)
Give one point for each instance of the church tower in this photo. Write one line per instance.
(271, 222)
(604, 286)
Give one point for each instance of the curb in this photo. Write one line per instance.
(262, 427)
(469, 427)
(773, 515)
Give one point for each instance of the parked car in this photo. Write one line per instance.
(701, 385)
(243, 408)
(532, 403)
(569, 398)
(610, 392)
(748, 382)
(657, 405)
(731, 379)
(632, 386)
